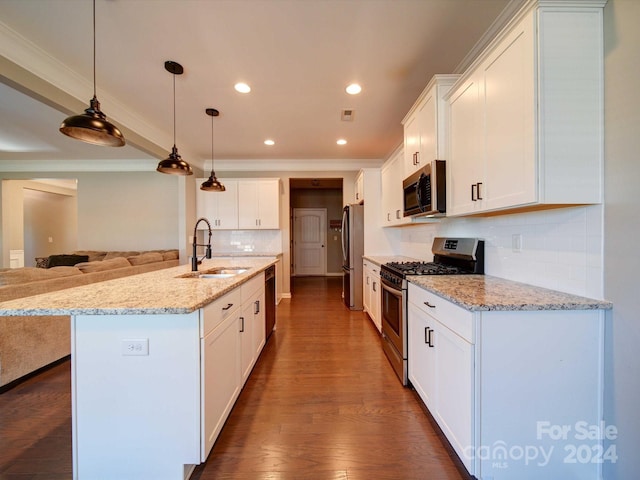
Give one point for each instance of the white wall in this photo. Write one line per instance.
(128, 211)
(50, 224)
(621, 227)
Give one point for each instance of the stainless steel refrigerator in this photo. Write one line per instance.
(352, 251)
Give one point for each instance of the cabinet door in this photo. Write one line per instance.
(220, 378)
(258, 204)
(427, 130)
(366, 287)
(466, 163)
(227, 217)
(511, 177)
(411, 145)
(422, 364)
(220, 208)
(246, 340)
(392, 175)
(454, 389)
(359, 187)
(259, 327)
(376, 299)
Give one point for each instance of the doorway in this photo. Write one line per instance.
(306, 256)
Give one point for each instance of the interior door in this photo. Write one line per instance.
(309, 241)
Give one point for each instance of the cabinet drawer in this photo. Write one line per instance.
(456, 318)
(217, 311)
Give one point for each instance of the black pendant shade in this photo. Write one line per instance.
(92, 126)
(174, 164)
(212, 184)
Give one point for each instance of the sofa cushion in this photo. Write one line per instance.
(17, 276)
(66, 260)
(93, 254)
(144, 258)
(170, 255)
(115, 254)
(102, 265)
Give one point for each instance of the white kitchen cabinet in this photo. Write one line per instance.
(526, 119)
(372, 296)
(441, 364)
(259, 204)
(221, 376)
(376, 242)
(425, 126)
(359, 188)
(499, 382)
(220, 208)
(391, 177)
(252, 326)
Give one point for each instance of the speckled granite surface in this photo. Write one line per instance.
(162, 291)
(379, 260)
(484, 292)
(246, 254)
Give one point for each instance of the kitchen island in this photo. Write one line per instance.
(158, 360)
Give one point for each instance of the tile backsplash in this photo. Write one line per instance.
(247, 241)
(559, 249)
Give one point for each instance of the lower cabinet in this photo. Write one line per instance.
(372, 297)
(518, 394)
(230, 349)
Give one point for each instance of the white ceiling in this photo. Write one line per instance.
(298, 56)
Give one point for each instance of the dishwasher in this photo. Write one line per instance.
(270, 300)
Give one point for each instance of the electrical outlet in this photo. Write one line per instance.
(50, 239)
(516, 242)
(139, 346)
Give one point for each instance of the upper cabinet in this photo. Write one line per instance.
(220, 208)
(391, 177)
(259, 204)
(247, 204)
(359, 187)
(526, 120)
(425, 126)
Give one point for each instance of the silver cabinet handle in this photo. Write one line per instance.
(242, 327)
(257, 307)
(429, 305)
(229, 305)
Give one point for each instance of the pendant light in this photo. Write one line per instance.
(174, 164)
(212, 184)
(92, 126)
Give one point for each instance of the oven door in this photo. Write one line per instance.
(394, 330)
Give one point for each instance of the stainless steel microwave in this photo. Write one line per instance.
(424, 191)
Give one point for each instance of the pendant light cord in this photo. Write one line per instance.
(94, 48)
(174, 109)
(211, 143)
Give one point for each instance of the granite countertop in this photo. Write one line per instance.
(158, 292)
(484, 293)
(380, 260)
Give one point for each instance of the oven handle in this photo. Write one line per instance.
(396, 293)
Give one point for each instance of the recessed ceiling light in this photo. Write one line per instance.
(342, 141)
(242, 87)
(353, 89)
(269, 142)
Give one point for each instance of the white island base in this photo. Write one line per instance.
(151, 392)
(135, 416)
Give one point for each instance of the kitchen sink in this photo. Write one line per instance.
(216, 272)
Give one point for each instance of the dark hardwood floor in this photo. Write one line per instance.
(322, 403)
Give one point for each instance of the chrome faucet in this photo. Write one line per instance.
(194, 258)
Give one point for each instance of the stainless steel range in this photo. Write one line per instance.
(451, 256)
